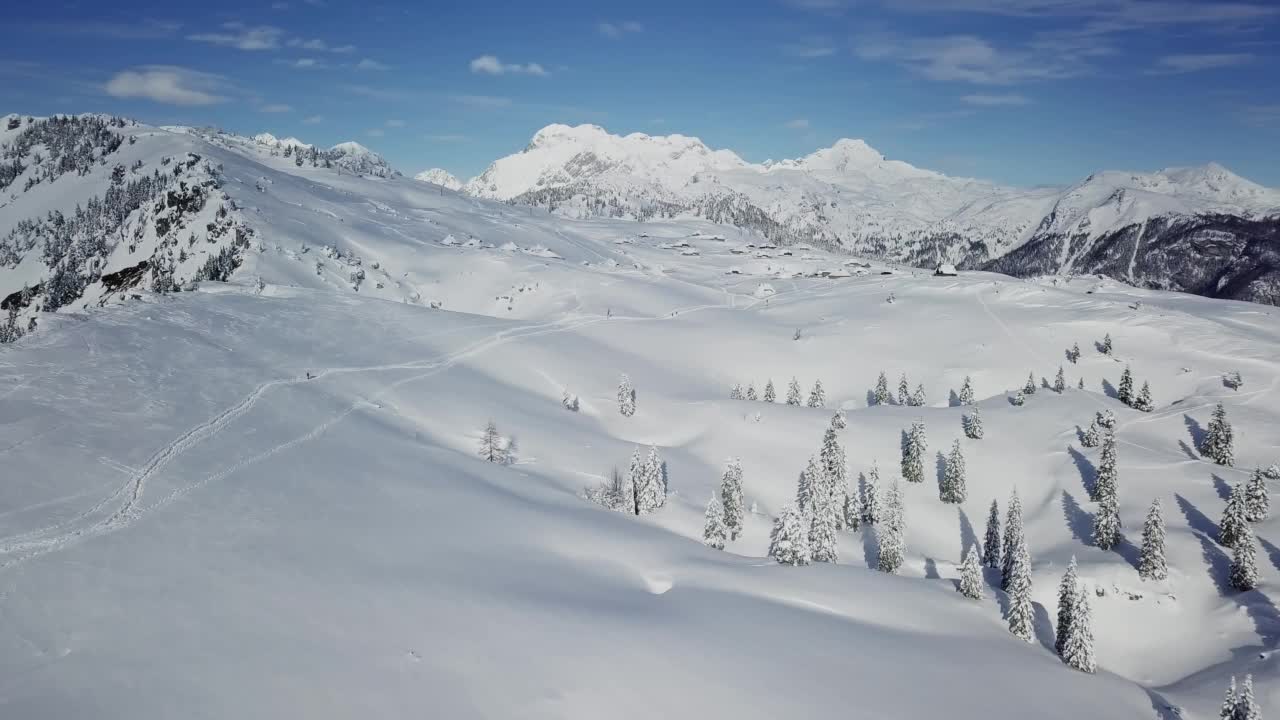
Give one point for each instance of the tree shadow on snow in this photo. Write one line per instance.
(1088, 473)
(1110, 390)
(1043, 626)
(1197, 432)
(940, 463)
(1221, 487)
(953, 400)
(931, 569)
(871, 547)
(1164, 709)
(968, 538)
(1130, 552)
(1186, 449)
(1205, 532)
(1273, 552)
(871, 398)
(1197, 520)
(1079, 522)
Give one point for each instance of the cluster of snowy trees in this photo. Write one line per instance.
(1240, 704)
(807, 530)
(1248, 503)
(905, 396)
(641, 490)
(626, 397)
(1140, 401)
(66, 144)
(795, 396)
(726, 509)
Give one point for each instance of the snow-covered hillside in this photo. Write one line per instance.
(849, 196)
(263, 497)
(437, 176)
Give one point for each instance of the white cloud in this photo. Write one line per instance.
(367, 64)
(242, 37)
(313, 120)
(395, 123)
(491, 65)
(995, 100)
(167, 84)
(966, 58)
(305, 63)
(1109, 14)
(275, 108)
(1178, 64)
(618, 29)
(318, 44)
(798, 124)
(375, 133)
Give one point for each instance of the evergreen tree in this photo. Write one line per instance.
(871, 505)
(1092, 437)
(913, 452)
(823, 539)
(1219, 439)
(735, 392)
(793, 392)
(1106, 522)
(835, 474)
(1013, 537)
(953, 489)
(769, 394)
(1244, 560)
(635, 482)
(1105, 419)
(837, 421)
(1077, 649)
(817, 398)
(1080, 383)
(904, 390)
(991, 541)
(626, 397)
(1019, 399)
(1143, 401)
(1246, 706)
(1060, 382)
(882, 396)
(655, 485)
(1228, 710)
(789, 540)
(1106, 469)
(1030, 387)
(731, 498)
(891, 531)
(492, 448)
(971, 576)
(1074, 355)
(917, 398)
(1231, 528)
(751, 392)
(714, 532)
(966, 392)
(1125, 394)
(852, 510)
(1021, 614)
(973, 425)
(1068, 594)
(1106, 345)
(1151, 563)
(1257, 501)
(807, 488)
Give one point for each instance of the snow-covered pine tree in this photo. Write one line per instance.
(807, 487)
(1013, 537)
(789, 540)
(917, 398)
(1106, 468)
(1233, 522)
(1228, 709)
(1106, 522)
(1151, 563)
(1143, 401)
(972, 424)
(1030, 387)
(1233, 380)
(891, 531)
(714, 532)
(1106, 345)
(626, 397)
(970, 575)
(1077, 650)
(823, 538)
(1060, 382)
(1019, 399)
(1074, 355)
(1257, 501)
(731, 498)
(735, 392)
(991, 541)
(881, 395)
(904, 390)
(953, 488)
(492, 448)
(817, 397)
(1068, 593)
(852, 510)
(1105, 419)
(1219, 439)
(1246, 706)
(751, 392)
(835, 470)
(966, 392)
(635, 481)
(793, 392)
(913, 451)
(1080, 384)
(1125, 393)
(871, 505)
(1021, 612)
(655, 485)
(837, 421)
(1092, 437)
(1244, 560)
(769, 394)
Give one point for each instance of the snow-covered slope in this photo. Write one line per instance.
(438, 176)
(849, 196)
(261, 498)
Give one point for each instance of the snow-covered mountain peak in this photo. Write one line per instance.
(439, 176)
(842, 156)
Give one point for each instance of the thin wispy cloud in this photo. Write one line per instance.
(1261, 116)
(995, 100)
(810, 48)
(394, 123)
(797, 124)
(319, 45)
(378, 93)
(618, 29)
(1178, 64)
(305, 63)
(368, 64)
(242, 37)
(313, 120)
(491, 65)
(1106, 14)
(971, 59)
(145, 29)
(375, 132)
(168, 84)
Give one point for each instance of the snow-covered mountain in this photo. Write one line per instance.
(441, 177)
(851, 197)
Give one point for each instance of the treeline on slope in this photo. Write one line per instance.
(70, 144)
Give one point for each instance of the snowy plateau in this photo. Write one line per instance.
(287, 434)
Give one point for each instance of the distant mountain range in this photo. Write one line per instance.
(1201, 229)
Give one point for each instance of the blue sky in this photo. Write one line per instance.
(1018, 91)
